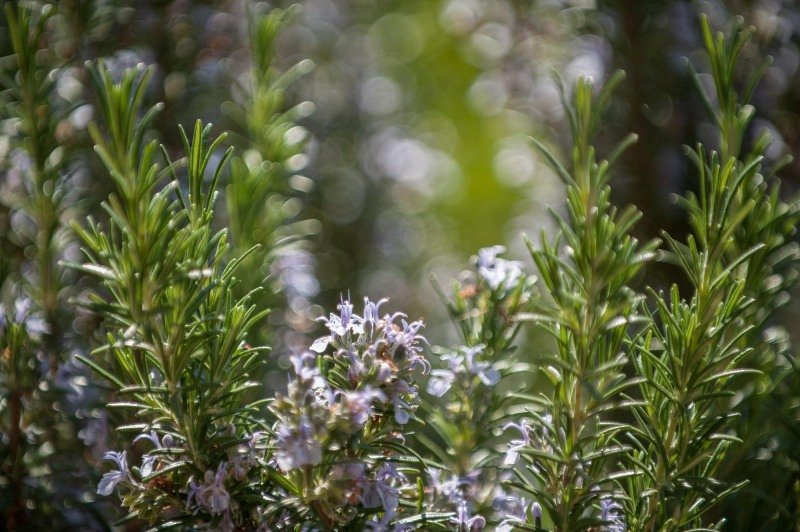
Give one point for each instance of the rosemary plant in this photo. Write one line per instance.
(176, 358)
(474, 387)
(341, 459)
(572, 449)
(768, 275)
(175, 354)
(39, 447)
(262, 197)
(697, 351)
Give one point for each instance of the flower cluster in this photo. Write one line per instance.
(349, 398)
(498, 273)
(463, 363)
(473, 389)
(212, 495)
(539, 439)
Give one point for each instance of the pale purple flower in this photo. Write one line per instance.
(297, 446)
(321, 344)
(346, 314)
(398, 392)
(465, 522)
(406, 338)
(357, 404)
(495, 271)
(483, 370)
(442, 379)
(388, 471)
(341, 326)
(306, 370)
(372, 311)
(415, 359)
(515, 446)
(612, 521)
(440, 382)
(110, 480)
(382, 492)
(211, 494)
(448, 488)
(514, 510)
(345, 323)
(149, 460)
(401, 411)
(455, 362)
(218, 497)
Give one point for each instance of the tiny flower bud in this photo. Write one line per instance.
(536, 510)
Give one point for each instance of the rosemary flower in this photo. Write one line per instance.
(149, 460)
(297, 446)
(465, 522)
(382, 492)
(111, 479)
(496, 271)
(211, 494)
(515, 446)
(514, 510)
(612, 521)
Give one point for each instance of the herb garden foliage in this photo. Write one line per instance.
(633, 427)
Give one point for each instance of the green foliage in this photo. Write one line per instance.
(477, 383)
(261, 197)
(590, 306)
(33, 104)
(38, 447)
(663, 469)
(175, 350)
(768, 228)
(696, 353)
